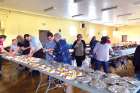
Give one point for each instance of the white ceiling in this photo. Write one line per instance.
(90, 8)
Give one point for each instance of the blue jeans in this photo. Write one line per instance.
(138, 91)
(137, 76)
(105, 65)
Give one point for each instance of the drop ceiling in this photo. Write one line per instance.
(110, 12)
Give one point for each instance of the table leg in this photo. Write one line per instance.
(38, 86)
(49, 84)
(69, 89)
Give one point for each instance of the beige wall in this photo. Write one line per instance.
(133, 32)
(17, 23)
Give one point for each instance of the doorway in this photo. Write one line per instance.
(43, 36)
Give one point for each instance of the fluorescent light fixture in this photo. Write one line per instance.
(48, 9)
(109, 8)
(126, 14)
(96, 19)
(137, 2)
(77, 1)
(72, 8)
(134, 19)
(92, 10)
(77, 15)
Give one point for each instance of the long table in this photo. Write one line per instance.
(124, 52)
(83, 86)
(74, 83)
(121, 53)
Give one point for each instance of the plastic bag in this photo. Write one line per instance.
(74, 63)
(86, 63)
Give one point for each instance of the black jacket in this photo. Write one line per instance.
(137, 59)
(26, 44)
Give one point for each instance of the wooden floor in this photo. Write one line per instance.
(13, 81)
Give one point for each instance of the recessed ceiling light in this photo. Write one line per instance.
(77, 15)
(109, 8)
(126, 14)
(48, 9)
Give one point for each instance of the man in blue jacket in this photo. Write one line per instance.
(61, 51)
